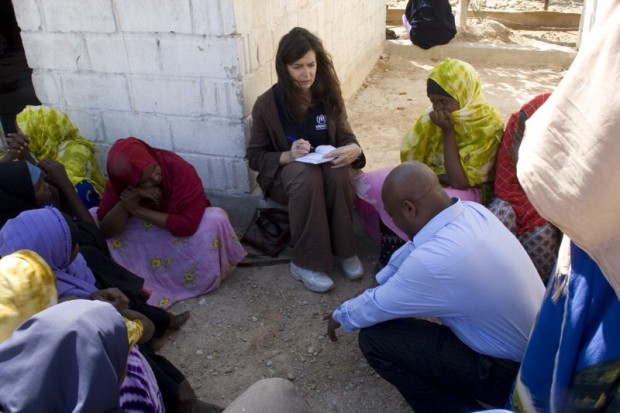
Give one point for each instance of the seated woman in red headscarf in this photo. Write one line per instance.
(159, 225)
(540, 238)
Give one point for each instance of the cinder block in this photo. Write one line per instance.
(228, 176)
(153, 129)
(223, 98)
(47, 87)
(79, 16)
(255, 84)
(95, 91)
(27, 15)
(211, 136)
(107, 53)
(199, 162)
(214, 57)
(167, 95)
(150, 16)
(88, 122)
(102, 155)
(266, 46)
(213, 17)
(239, 173)
(55, 51)
(249, 53)
(143, 54)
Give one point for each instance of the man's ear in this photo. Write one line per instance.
(409, 208)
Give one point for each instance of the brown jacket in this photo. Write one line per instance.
(268, 141)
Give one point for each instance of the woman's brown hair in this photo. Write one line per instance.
(326, 87)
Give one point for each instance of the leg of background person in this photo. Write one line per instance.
(167, 375)
(505, 213)
(160, 317)
(390, 242)
(301, 188)
(110, 274)
(339, 198)
(542, 244)
(433, 369)
(90, 234)
(274, 395)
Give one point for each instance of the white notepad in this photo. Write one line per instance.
(316, 157)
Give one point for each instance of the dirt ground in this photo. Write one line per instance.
(262, 323)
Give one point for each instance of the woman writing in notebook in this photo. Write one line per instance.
(303, 110)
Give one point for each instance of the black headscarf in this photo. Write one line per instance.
(433, 88)
(16, 190)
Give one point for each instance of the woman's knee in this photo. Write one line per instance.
(299, 177)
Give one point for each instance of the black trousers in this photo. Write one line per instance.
(434, 370)
(110, 274)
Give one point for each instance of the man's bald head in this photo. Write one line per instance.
(412, 196)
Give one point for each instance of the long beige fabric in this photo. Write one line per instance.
(569, 162)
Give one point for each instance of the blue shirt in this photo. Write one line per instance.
(464, 268)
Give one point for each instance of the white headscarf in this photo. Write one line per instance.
(569, 162)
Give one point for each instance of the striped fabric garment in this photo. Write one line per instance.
(139, 392)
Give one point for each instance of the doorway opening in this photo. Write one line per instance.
(16, 89)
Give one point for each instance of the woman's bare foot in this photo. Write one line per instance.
(176, 321)
(157, 343)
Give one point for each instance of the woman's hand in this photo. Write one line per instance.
(299, 148)
(55, 173)
(345, 155)
(18, 145)
(130, 199)
(153, 193)
(113, 296)
(443, 119)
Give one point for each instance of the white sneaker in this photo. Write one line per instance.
(316, 281)
(352, 267)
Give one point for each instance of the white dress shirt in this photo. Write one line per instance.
(464, 268)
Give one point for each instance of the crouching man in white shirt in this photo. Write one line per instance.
(461, 266)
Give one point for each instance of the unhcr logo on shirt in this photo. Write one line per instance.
(321, 122)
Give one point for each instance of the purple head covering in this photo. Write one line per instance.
(46, 232)
(69, 357)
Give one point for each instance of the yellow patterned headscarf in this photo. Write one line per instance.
(478, 126)
(53, 136)
(27, 286)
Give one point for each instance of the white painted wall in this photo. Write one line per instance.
(183, 74)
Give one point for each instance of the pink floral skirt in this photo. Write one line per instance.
(178, 268)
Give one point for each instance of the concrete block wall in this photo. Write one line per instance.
(183, 74)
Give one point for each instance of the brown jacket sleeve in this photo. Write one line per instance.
(267, 140)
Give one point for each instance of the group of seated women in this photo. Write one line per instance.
(173, 246)
(148, 237)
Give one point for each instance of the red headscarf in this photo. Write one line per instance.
(507, 186)
(183, 196)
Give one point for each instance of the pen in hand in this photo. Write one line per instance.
(293, 139)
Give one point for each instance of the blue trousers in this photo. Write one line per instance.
(434, 370)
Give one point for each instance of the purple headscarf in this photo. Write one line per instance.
(46, 232)
(68, 358)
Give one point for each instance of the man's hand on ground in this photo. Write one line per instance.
(332, 326)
